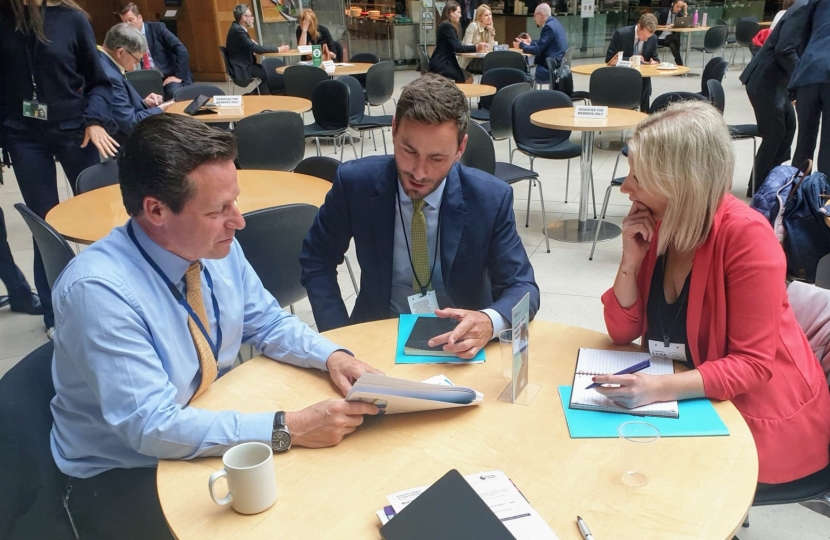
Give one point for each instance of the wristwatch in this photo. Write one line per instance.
(280, 437)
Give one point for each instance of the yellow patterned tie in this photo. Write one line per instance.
(207, 363)
(420, 250)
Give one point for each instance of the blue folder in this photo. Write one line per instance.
(697, 419)
(405, 325)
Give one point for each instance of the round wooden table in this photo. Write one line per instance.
(476, 90)
(483, 54)
(663, 28)
(354, 68)
(584, 230)
(702, 487)
(250, 105)
(645, 70)
(92, 215)
(288, 53)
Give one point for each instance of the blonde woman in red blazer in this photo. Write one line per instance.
(724, 273)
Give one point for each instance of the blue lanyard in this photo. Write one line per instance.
(214, 348)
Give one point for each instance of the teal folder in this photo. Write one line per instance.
(405, 324)
(697, 419)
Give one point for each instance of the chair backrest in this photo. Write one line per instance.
(228, 66)
(276, 81)
(193, 91)
(529, 136)
(664, 100)
(32, 508)
(300, 81)
(423, 60)
(330, 104)
(616, 87)
(338, 50)
(272, 240)
(568, 58)
(716, 94)
(823, 272)
(363, 58)
(146, 82)
(479, 152)
(270, 140)
(324, 167)
(54, 250)
(715, 38)
(380, 82)
(356, 103)
(745, 30)
(97, 176)
(715, 69)
(501, 110)
(500, 59)
(499, 77)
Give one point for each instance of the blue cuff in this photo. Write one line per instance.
(256, 427)
(499, 323)
(320, 354)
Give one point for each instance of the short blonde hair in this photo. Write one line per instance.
(684, 155)
(480, 11)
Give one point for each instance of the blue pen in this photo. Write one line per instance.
(633, 369)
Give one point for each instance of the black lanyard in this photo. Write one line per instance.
(30, 56)
(684, 293)
(409, 252)
(214, 348)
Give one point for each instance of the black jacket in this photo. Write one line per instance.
(170, 56)
(443, 59)
(623, 40)
(241, 49)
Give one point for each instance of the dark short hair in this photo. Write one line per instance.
(161, 152)
(433, 99)
(239, 10)
(128, 7)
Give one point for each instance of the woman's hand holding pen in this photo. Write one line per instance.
(633, 391)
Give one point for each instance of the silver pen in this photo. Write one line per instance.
(583, 529)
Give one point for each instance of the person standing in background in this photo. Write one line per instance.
(55, 103)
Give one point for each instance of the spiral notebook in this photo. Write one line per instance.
(590, 362)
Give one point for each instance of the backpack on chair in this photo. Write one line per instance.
(806, 221)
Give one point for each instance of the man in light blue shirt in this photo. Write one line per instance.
(126, 365)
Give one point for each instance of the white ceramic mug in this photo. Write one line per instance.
(252, 483)
(636, 60)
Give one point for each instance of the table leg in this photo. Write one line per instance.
(688, 52)
(583, 230)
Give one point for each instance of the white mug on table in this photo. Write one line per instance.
(249, 471)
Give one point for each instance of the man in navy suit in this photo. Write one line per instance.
(636, 40)
(552, 42)
(427, 230)
(811, 84)
(165, 52)
(122, 49)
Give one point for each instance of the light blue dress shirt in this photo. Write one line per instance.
(402, 267)
(125, 365)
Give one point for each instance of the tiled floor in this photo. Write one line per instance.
(570, 284)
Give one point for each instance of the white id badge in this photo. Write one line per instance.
(33, 109)
(675, 351)
(420, 304)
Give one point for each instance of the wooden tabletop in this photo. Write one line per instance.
(289, 52)
(765, 24)
(482, 55)
(250, 105)
(702, 486)
(476, 90)
(646, 70)
(92, 215)
(564, 119)
(681, 30)
(354, 68)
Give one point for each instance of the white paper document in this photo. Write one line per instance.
(395, 396)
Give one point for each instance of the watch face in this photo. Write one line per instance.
(280, 441)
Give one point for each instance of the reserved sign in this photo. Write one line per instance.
(329, 66)
(304, 49)
(587, 111)
(227, 101)
(624, 63)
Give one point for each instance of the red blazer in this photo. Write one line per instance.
(745, 341)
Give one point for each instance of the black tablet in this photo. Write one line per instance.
(196, 105)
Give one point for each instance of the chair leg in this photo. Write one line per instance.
(361, 144)
(529, 187)
(291, 309)
(567, 180)
(593, 194)
(351, 142)
(383, 138)
(599, 222)
(374, 142)
(544, 217)
(754, 151)
(317, 144)
(351, 274)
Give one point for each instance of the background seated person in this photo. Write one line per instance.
(447, 44)
(552, 42)
(479, 31)
(636, 40)
(311, 33)
(241, 49)
(165, 52)
(703, 275)
(122, 49)
(668, 38)
(421, 222)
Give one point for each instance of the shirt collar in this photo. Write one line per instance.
(114, 61)
(433, 199)
(173, 266)
(143, 27)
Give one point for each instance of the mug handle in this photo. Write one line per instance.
(213, 478)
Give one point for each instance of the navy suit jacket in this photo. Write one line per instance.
(241, 50)
(814, 65)
(623, 40)
(483, 262)
(128, 109)
(552, 43)
(170, 56)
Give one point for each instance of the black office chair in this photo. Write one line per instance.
(576, 95)
(714, 41)
(714, 70)
(363, 58)
(32, 507)
(823, 272)
(54, 250)
(538, 142)
(146, 82)
(300, 80)
(272, 240)
(97, 176)
(276, 81)
(256, 136)
(498, 78)
(423, 59)
(337, 50)
(239, 79)
(716, 95)
(505, 59)
(359, 121)
(615, 87)
(664, 100)
(745, 31)
(190, 92)
(380, 84)
(330, 107)
(500, 125)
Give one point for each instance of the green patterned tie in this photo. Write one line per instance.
(420, 250)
